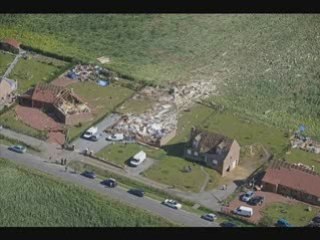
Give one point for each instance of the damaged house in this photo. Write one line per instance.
(213, 150)
(292, 180)
(67, 107)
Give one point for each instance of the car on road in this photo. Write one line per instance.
(115, 137)
(110, 182)
(247, 196)
(137, 192)
(283, 223)
(95, 137)
(228, 224)
(89, 174)
(256, 200)
(18, 148)
(90, 132)
(209, 217)
(172, 203)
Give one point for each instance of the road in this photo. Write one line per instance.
(177, 216)
(81, 144)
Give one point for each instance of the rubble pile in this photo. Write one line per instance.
(186, 95)
(305, 143)
(301, 165)
(87, 73)
(161, 119)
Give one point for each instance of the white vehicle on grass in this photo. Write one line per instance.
(138, 159)
(90, 132)
(172, 203)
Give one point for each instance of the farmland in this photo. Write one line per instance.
(29, 198)
(266, 63)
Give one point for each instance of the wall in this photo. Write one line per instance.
(233, 155)
(167, 138)
(269, 187)
(74, 119)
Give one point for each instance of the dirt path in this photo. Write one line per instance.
(205, 181)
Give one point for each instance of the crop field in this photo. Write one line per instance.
(5, 60)
(9, 119)
(102, 100)
(266, 63)
(29, 198)
(295, 214)
(31, 71)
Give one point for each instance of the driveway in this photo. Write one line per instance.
(120, 194)
(81, 144)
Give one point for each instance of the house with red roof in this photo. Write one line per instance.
(292, 180)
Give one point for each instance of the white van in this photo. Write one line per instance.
(243, 211)
(138, 159)
(90, 132)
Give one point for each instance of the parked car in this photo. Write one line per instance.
(210, 217)
(115, 137)
(137, 192)
(243, 211)
(110, 182)
(247, 196)
(228, 224)
(283, 223)
(316, 219)
(256, 200)
(90, 132)
(138, 159)
(18, 148)
(172, 203)
(89, 174)
(95, 137)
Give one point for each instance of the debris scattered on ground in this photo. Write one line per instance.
(103, 60)
(304, 143)
(160, 121)
(89, 73)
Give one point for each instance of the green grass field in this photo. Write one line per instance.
(300, 156)
(101, 99)
(295, 214)
(5, 60)
(31, 71)
(29, 198)
(265, 62)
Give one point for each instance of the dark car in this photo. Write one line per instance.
(313, 224)
(137, 192)
(256, 200)
(283, 223)
(95, 138)
(18, 148)
(89, 174)
(316, 219)
(110, 182)
(228, 224)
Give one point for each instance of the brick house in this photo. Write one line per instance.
(61, 102)
(292, 180)
(10, 45)
(213, 150)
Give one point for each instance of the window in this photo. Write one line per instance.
(196, 154)
(189, 151)
(214, 162)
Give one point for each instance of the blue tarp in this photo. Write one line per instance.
(72, 75)
(103, 83)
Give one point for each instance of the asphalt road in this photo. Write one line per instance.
(177, 216)
(81, 144)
